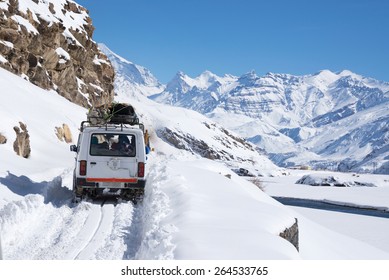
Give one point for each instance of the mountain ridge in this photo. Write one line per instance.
(287, 115)
(298, 107)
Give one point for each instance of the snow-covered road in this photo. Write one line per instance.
(33, 229)
(45, 224)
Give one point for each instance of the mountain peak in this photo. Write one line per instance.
(142, 80)
(324, 72)
(108, 52)
(248, 78)
(180, 83)
(180, 74)
(322, 79)
(206, 79)
(207, 72)
(348, 73)
(345, 73)
(251, 74)
(207, 75)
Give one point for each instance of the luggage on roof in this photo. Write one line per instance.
(116, 113)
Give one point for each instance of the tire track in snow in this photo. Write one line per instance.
(39, 229)
(49, 226)
(116, 243)
(104, 227)
(104, 232)
(88, 231)
(87, 236)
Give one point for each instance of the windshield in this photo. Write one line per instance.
(111, 144)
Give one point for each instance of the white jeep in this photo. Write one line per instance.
(110, 160)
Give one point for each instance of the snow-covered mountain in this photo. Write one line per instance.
(133, 79)
(287, 116)
(296, 120)
(200, 94)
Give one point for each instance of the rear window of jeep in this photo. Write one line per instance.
(112, 144)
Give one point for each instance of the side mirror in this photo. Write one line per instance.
(73, 148)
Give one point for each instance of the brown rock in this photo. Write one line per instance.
(291, 234)
(64, 134)
(3, 139)
(50, 58)
(22, 142)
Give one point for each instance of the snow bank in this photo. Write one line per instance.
(201, 206)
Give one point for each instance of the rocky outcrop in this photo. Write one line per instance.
(187, 142)
(50, 44)
(3, 139)
(22, 142)
(212, 141)
(223, 148)
(64, 134)
(291, 234)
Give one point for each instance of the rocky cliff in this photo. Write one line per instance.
(49, 43)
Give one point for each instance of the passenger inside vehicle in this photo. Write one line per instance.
(113, 145)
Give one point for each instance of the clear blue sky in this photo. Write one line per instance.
(236, 36)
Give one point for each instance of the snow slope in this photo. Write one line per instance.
(42, 111)
(191, 209)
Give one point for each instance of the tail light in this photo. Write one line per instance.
(82, 167)
(141, 169)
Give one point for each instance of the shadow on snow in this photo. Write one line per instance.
(52, 191)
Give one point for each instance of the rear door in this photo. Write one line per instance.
(112, 157)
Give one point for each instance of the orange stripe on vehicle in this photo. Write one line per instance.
(113, 180)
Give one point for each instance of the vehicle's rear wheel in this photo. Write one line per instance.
(134, 195)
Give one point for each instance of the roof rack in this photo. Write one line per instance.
(102, 123)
